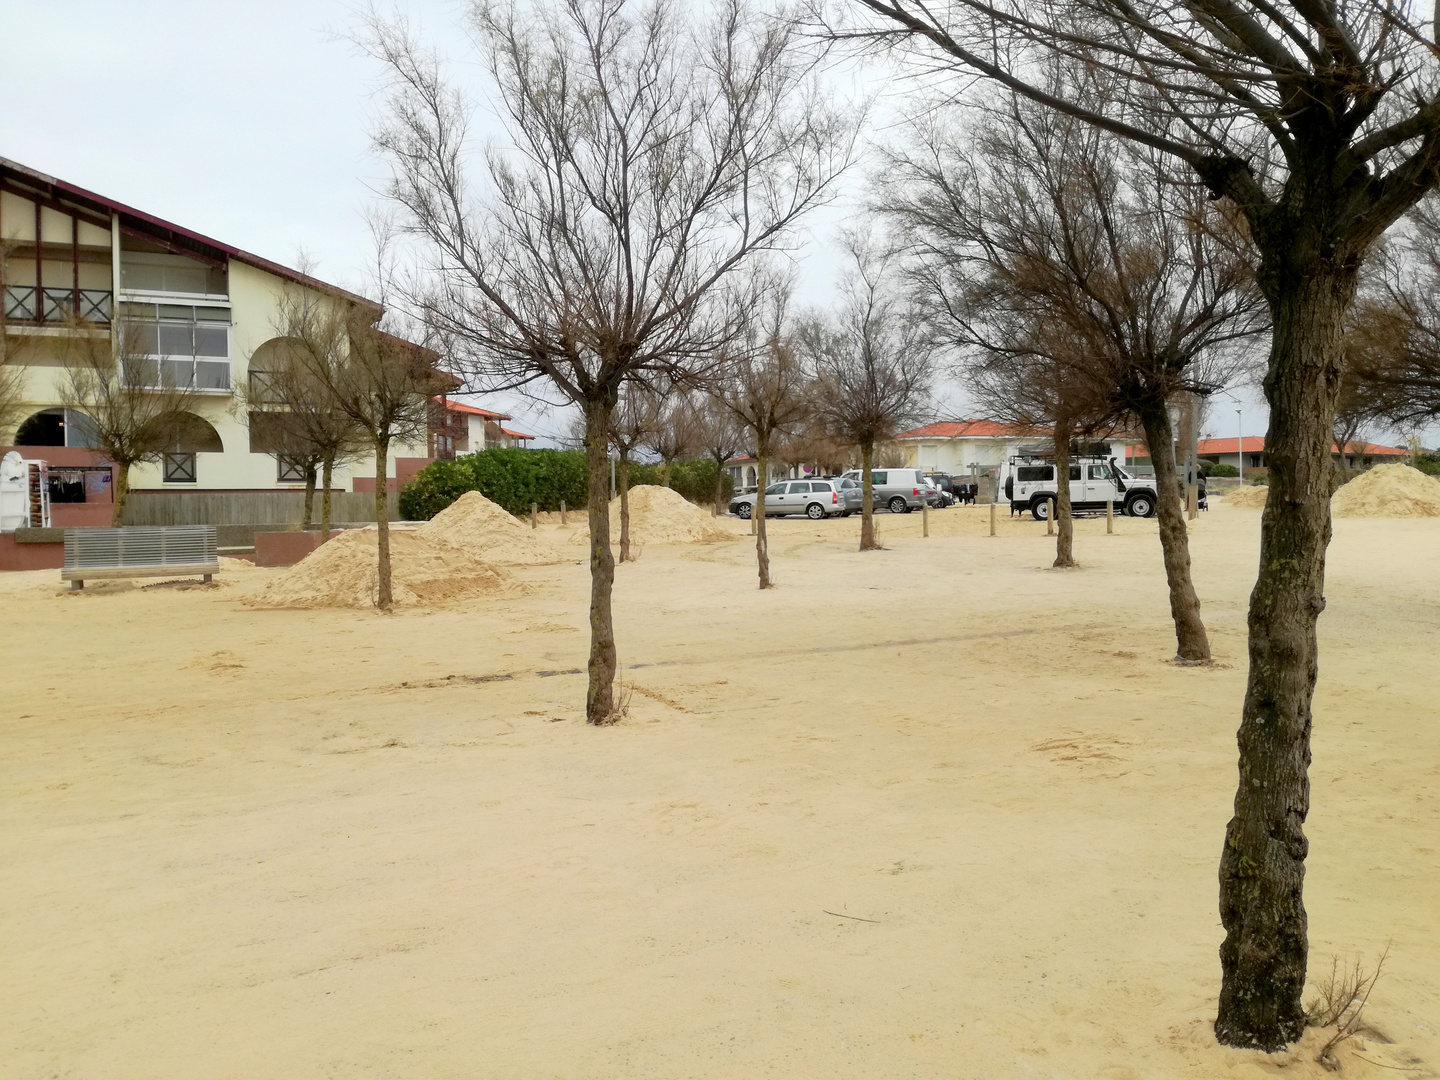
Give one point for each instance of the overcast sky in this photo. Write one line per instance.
(249, 122)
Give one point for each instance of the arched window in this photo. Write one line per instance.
(191, 435)
(56, 427)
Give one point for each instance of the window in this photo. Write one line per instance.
(179, 468)
(191, 344)
(1029, 474)
(775, 489)
(879, 477)
(1255, 461)
(289, 472)
(800, 489)
(1074, 472)
(1099, 472)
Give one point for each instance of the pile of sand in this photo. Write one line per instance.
(476, 524)
(343, 573)
(1250, 497)
(660, 515)
(1388, 491)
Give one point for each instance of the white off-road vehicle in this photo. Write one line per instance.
(1027, 482)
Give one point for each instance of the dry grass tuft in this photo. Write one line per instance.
(621, 709)
(1341, 1002)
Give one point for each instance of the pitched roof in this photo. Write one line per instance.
(73, 199)
(972, 429)
(516, 434)
(1251, 444)
(471, 410)
(1255, 444)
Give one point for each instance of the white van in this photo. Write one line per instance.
(900, 490)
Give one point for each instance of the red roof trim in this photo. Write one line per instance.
(515, 434)
(1255, 444)
(471, 410)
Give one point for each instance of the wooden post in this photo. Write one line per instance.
(563, 519)
(534, 510)
(925, 518)
(1192, 501)
(1050, 521)
(992, 518)
(1109, 515)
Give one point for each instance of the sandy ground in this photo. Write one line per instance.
(937, 811)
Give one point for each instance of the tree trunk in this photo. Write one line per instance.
(121, 493)
(1064, 523)
(762, 545)
(383, 599)
(867, 498)
(328, 473)
(719, 487)
(309, 496)
(1191, 642)
(624, 508)
(665, 473)
(1262, 867)
(600, 692)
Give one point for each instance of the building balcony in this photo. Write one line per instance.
(180, 373)
(56, 307)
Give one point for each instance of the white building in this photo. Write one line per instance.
(973, 447)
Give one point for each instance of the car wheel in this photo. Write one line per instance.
(815, 512)
(897, 505)
(1041, 509)
(1140, 506)
(745, 511)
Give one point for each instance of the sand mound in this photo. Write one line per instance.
(660, 515)
(1388, 491)
(424, 572)
(1250, 497)
(476, 524)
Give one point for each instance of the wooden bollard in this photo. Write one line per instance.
(992, 519)
(925, 518)
(752, 521)
(1050, 520)
(1110, 515)
(563, 519)
(534, 514)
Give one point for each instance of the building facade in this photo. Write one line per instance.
(76, 267)
(973, 447)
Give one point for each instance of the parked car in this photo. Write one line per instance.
(816, 499)
(940, 497)
(900, 490)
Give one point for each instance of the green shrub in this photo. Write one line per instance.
(1259, 480)
(1223, 470)
(1428, 463)
(510, 478)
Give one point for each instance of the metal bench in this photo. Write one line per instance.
(139, 551)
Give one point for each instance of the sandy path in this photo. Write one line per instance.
(241, 843)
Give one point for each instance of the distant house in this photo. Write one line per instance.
(963, 447)
(1250, 451)
(457, 428)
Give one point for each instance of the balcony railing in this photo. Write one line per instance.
(26, 303)
(179, 372)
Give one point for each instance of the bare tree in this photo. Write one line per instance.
(1393, 339)
(304, 424)
(629, 429)
(655, 154)
(672, 427)
(378, 381)
(12, 374)
(136, 407)
(872, 361)
(767, 389)
(1062, 225)
(1320, 123)
(721, 436)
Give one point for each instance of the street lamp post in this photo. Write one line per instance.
(1240, 445)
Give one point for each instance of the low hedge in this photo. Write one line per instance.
(510, 478)
(513, 479)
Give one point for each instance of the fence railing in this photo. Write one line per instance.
(247, 507)
(25, 303)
